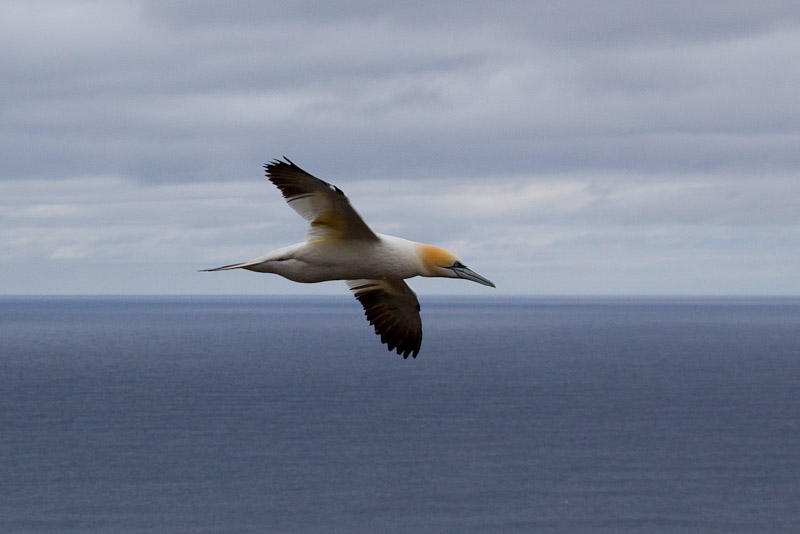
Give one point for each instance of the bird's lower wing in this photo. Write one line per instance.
(393, 309)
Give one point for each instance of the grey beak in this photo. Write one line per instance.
(469, 274)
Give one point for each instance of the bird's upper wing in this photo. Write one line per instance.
(320, 203)
(393, 309)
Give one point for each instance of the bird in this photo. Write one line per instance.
(340, 246)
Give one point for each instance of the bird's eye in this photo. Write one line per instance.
(457, 265)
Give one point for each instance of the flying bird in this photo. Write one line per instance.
(340, 246)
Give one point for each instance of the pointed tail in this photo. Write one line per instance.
(227, 267)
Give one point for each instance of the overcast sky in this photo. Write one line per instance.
(609, 147)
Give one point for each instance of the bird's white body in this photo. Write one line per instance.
(388, 257)
(340, 246)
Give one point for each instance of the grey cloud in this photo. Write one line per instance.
(544, 133)
(202, 91)
(568, 23)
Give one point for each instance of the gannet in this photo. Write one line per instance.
(340, 246)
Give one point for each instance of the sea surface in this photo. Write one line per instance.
(286, 415)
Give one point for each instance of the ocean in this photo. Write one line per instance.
(287, 415)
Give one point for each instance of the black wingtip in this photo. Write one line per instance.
(276, 163)
(405, 352)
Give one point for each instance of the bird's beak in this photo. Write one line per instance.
(469, 274)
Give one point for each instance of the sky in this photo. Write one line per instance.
(559, 148)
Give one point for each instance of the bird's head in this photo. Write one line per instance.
(440, 262)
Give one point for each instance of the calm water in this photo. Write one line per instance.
(276, 414)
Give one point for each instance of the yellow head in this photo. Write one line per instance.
(440, 262)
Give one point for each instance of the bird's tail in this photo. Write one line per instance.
(228, 267)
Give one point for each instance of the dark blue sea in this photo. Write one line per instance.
(286, 415)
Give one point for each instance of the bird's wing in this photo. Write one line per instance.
(320, 203)
(393, 309)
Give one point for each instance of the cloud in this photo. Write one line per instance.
(186, 92)
(110, 218)
(544, 133)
